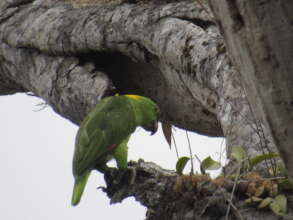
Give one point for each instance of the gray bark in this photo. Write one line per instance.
(186, 197)
(131, 42)
(170, 52)
(259, 38)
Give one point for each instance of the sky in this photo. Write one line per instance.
(35, 164)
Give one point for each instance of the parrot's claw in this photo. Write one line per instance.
(128, 175)
(120, 176)
(132, 175)
(102, 169)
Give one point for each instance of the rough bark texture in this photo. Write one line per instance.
(169, 196)
(259, 38)
(131, 44)
(171, 52)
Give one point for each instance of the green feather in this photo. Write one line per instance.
(104, 134)
(78, 188)
(120, 154)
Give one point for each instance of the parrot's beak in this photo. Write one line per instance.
(152, 127)
(155, 127)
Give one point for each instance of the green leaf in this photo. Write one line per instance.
(265, 203)
(279, 205)
(259, 158)
(238, 153)
(282, 171)
(286, 184)
(210, 164)
(181, 163)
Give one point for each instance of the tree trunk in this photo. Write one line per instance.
(171, 52)
(259, 38)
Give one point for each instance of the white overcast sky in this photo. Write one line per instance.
(35, 164)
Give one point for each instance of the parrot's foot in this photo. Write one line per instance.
(128, 175)
(102, 169)
(132, 178)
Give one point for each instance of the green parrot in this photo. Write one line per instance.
(104, 134)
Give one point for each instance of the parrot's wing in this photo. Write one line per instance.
(87, 152)
(103, 128)
(120, 154)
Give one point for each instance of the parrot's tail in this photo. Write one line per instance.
(78, 188)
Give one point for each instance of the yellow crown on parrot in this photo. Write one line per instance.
(133, 96)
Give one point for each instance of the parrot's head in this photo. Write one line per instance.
(152, 127)
(147, 112)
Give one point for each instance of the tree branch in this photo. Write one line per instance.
(169, 196)
(171, 52)
(145, 42)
